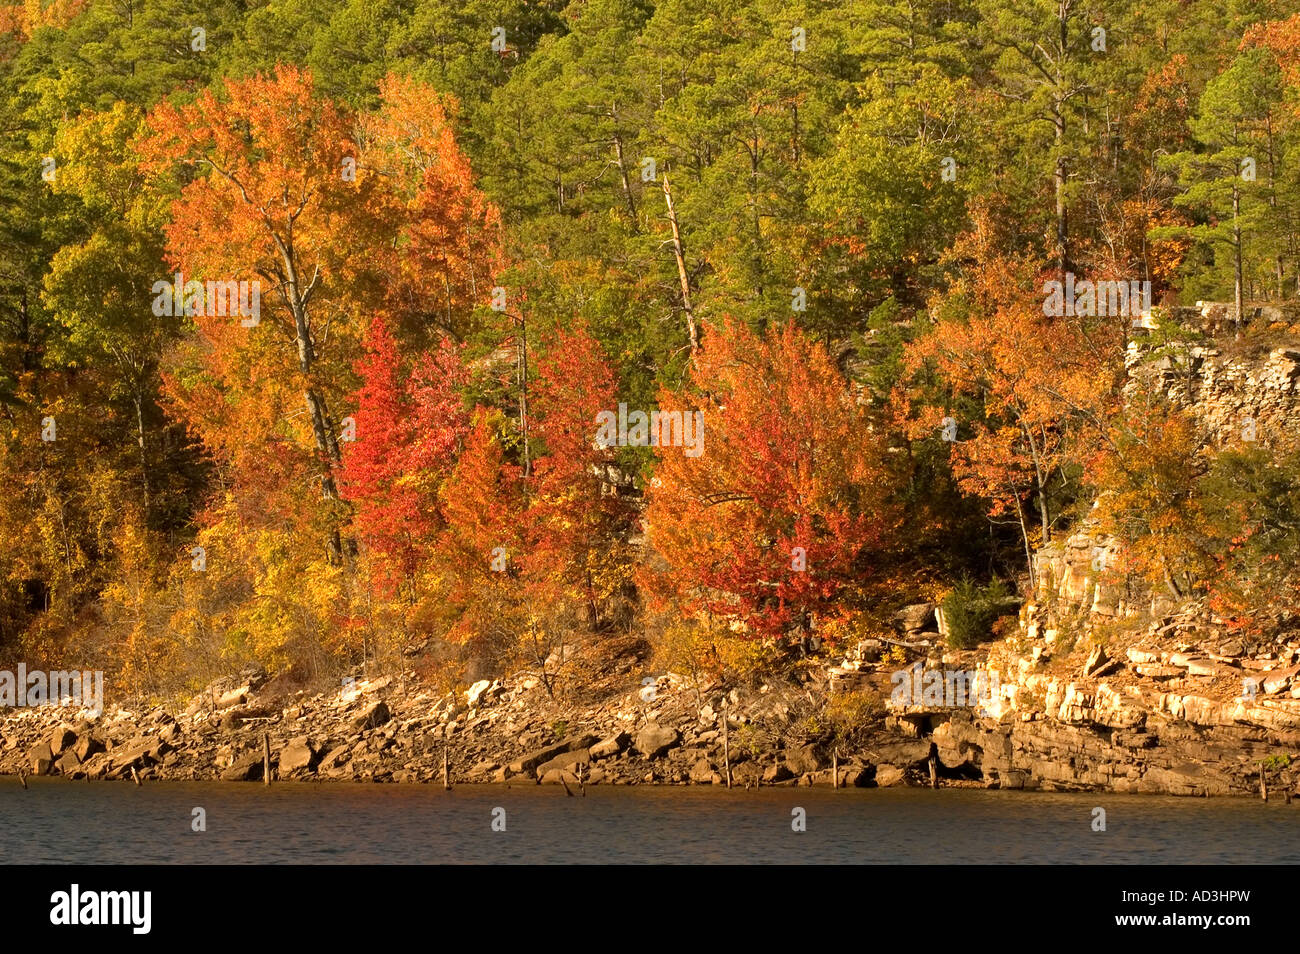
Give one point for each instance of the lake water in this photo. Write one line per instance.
(108, 822)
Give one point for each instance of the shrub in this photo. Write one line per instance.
(970, 610)
(849, 714)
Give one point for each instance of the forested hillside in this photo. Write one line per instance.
(333, 329)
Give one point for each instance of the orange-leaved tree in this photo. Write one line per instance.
(1145, 472)
(769, 517)
(1014, 392)
(263, 198)
(523, 560)
(276, 186)
(409, 425)
(578, 522)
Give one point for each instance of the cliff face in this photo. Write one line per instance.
(1178, 706)
(1196, 718)
(1238, 394)
(1109, 686)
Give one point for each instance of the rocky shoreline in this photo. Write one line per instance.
(1145, 722)
(379, 730)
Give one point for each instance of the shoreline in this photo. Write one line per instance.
(391, 730)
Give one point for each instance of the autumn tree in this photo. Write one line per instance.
(408, 427)
(781, 504)
(282, 193)
(1009, 388)
(1144, 472)
(267, 201)
(578, 521)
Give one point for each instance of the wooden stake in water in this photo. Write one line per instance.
(726, 744)
(266, 758)
(1263, 785)
(835, 769)
(446, 770)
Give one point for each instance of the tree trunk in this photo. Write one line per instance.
(1058, 123)
(322, 427)
(627, 185)
(144, 462)
(1236, 253)
(680, 254)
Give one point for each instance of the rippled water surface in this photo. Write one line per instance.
(107, 822)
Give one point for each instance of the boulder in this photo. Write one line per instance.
(903, 754)
(914, 618)
(246, 769)
(565, 760)
(1157, 671)
(804, 760)
(40, 758)
(888, 776)
(298, 754)
(235, 697)
(612, 746)
(140, 751)
(373, 716)
(776, 773)
(855, 776)
(1012, 780)
(482, 691)
(1279, 679)
(60, 739)
(559, 777)
(69, 763)
(702, 772)
(654, 740)
(335, 757)
(527, 763)
(87, 745)
(1137, 654)
(1097, 662)
(1208, 667)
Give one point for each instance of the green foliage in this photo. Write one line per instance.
(970, 609)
